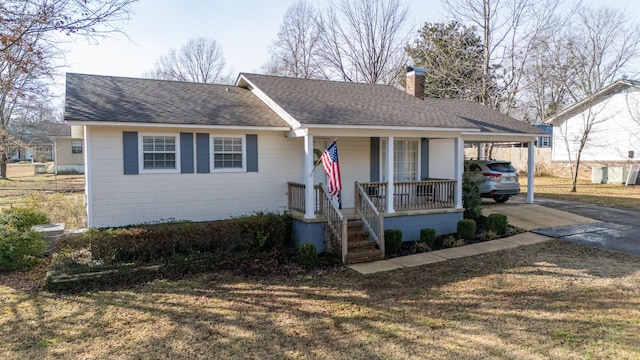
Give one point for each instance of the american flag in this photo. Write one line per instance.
(332, 168)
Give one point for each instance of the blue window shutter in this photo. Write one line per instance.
(424, 159)
(252, 153)
(375, 159)
(202, 153)
(130, 152)
(186, 153)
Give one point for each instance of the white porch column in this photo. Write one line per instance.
(480, 151)
(459, 169)
(309, 191)
(390, 175)
(530, 172)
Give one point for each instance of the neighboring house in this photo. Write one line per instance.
(158, 150)
(613, 116)
(69, 150)
(33, 152)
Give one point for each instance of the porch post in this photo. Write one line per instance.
(390, 175)
(481, 151)
(459, 169)
(530, 172)
(309, 191)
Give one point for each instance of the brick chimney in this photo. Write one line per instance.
(415, 81)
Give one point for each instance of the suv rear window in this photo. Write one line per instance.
(501, 167)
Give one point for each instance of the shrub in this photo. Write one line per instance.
(420, 247)
(22, 219)
(308, 255)
(488, 235)
(428, 236)
(19, 249)
(471, 199)
(263, 231)
(466, 229)
(499, 223)
(451, 241)
(392, 240)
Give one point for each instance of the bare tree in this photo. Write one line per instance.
(28, 47)
(22, 66)
(198, 60)
(511, 30)
(363, 40)
(295, 52)
(23, 21)
(597, 49)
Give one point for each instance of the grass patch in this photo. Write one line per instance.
(611, 195)
(550, 300)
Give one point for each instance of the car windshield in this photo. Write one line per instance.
(501, 167)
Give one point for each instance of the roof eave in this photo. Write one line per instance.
(112, 123)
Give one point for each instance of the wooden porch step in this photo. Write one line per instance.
(354, 225)
(360, 256)
(361, 245)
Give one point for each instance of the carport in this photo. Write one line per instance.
(480, 140)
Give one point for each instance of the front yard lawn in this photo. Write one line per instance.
(552, 300)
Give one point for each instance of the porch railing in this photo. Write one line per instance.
(413, 195)
(296, 200)
(336, 222)
(371, 218)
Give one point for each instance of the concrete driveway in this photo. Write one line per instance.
(597, 226)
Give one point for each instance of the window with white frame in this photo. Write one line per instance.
(544, 141)
(159, 152)
(76, 146)
(405, 160)
(228, 152)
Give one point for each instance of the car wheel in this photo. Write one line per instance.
(501, 198)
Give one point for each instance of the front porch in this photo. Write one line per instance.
(357, 233)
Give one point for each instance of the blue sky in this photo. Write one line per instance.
(244, 29)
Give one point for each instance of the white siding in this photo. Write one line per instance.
(616, 130)
(120, 199)
(354, 155)
(442, 158)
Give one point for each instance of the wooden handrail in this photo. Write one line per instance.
(336, 221)
(371, 218)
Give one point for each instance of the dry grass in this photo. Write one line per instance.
(612, 195)
(554, 300)
(60, 197)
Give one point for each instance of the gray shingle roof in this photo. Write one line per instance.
(314, 102)
(311, 102)
(120, 99)
(483, 117)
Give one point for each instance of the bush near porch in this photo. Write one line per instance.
(252, 244)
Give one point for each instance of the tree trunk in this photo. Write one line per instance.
(4, 150)
(574, 181)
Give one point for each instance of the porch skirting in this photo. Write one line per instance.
(309, 232)
(444, 221)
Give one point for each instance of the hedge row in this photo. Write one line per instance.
(150, 243)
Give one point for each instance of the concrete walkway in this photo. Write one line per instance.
(448, 254)
(525, 216)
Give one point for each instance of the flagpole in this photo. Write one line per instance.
(318, 162)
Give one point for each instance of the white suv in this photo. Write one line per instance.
(496, 179)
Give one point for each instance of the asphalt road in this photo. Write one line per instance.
(615, 230)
